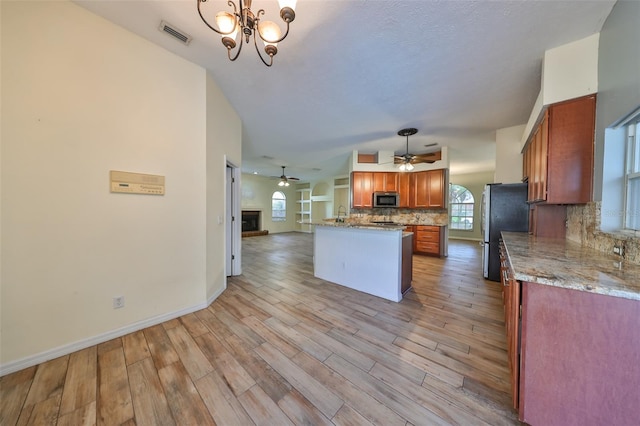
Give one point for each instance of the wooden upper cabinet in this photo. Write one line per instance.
(404, 189)
(571, 148)
(427, 189)
(362, 189)
(385, 182)
(420, 190)
(560, 153)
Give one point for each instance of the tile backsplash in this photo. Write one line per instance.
(583, 226)
(404, 216)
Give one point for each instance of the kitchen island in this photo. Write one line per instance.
(579, 348)
(374, 259)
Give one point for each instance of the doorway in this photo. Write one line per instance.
(233, 259)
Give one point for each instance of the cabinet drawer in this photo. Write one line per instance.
(427, 247)
(428, 236)
(427, 228)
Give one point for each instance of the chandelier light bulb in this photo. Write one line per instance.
(227, 24)
(287, 3)
(409, 167)
(269, 32)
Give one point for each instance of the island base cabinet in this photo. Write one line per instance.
(580, 358)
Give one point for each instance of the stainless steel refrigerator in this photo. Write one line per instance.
(504, 208)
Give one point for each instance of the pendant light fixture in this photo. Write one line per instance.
(405, 165)
(244, 20)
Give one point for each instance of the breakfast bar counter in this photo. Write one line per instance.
(374, 259)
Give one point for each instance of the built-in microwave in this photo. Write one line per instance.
(386, 199)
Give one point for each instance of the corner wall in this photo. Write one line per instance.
(618, 76)
(80, 97)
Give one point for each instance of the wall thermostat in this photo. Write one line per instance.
(136, 183)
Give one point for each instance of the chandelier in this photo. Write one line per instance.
(244, 20)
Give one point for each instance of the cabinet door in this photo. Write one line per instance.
(571, 150)
(419, 190)
(362, 189)
(427, 190)
(513, 334)
(385, 181)
(404, 189)
(436, 188)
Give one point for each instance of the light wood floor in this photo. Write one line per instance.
(282, 347)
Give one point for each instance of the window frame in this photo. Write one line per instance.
(631, 218)
(278, 218)
(467, 210)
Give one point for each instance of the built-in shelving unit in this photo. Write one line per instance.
(341, 194)
(303, 208)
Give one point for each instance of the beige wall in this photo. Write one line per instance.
(508, 155)
(224, 136)
(80, 97)
(475, 183)
(256, 195)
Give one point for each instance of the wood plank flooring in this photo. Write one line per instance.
(282, 347)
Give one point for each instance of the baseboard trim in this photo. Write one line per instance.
(36, 359)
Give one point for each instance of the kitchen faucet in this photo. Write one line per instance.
(340, 210)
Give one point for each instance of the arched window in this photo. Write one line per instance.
(460, 208)
(278, 207)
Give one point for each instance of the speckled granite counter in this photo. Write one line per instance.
(565, 264)
(362, 226)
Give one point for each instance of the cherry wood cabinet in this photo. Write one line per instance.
(427, 189)
(404, 189)
(385, 182)
(558, 158)
(548, 220)
(419, 190)
(511, 289)
(428, 239)
(362, 189)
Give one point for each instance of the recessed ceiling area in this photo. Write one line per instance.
(352, 73)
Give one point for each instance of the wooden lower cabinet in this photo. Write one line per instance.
(428, 239)
(511, 289)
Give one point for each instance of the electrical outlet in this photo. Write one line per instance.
(619, 250)
(118, 302)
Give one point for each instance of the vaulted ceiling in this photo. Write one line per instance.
(352, 73)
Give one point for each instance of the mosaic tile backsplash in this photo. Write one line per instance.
(583, 226)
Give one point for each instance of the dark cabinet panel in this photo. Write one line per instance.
(558, 159)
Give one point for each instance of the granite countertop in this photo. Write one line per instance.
(376, 226)
(566, 264)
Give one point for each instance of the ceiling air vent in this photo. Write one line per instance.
(174, 32)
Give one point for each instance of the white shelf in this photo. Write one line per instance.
(303, 215)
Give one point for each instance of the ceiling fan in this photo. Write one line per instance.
(407, 160)
(284, 179)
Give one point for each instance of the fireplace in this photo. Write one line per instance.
(250, 220)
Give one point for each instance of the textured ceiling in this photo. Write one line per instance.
(352, 73)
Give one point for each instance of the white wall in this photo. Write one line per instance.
(508, 155)
(568, 71)
(224, 136)
(475, 183)
(618, 78)
(80, 97)
(256, 195)
(571, 70)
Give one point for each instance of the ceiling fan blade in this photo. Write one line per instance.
(292, 178)
(431, 157)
